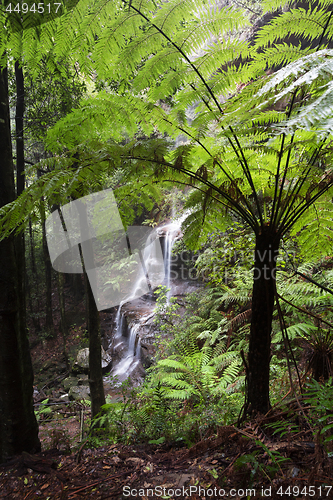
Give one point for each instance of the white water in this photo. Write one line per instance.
(131, 359)
(119, 322)
(168, 244)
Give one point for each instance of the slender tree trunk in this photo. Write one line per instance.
(20, 183)
(18, 426)
(266, 252)
(32, 251)
(49, 327)
(77, 287)
(95, 357)
(35, 319)
(20, 177)
(63, 324)
(48, 281)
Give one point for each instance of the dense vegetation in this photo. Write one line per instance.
(231, 116)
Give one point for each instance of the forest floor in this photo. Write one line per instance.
(229, 464)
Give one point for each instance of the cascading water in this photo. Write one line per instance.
(149, 260)
(119, 322)
(167, 263)
(132, 357)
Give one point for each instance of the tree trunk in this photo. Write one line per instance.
(34, 283)
(266, 252)
(48, 280)
(95, 358)
(20, 184)
(63, 323)
(77, 287)
(18, 426)
(20, 177)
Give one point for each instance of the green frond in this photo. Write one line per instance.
(172, 363)
(295, 331)
(307, 24)
(315, 230)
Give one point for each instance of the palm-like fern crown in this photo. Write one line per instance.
(262, 153)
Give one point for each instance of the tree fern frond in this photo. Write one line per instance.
(294, 331)
(308, 24)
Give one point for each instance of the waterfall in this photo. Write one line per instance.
(132, 356)
(152, 274)
(168, 244)
(131, 341)
(119, 322)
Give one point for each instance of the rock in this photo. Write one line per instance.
(294, 472)
(147, 355)
(137, 375)
(81, 364)
(79, 392)
(83, 379)
(119, 351)
(69, 382)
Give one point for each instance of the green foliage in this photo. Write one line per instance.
(228, 255)
(241, 155)
(319, 396)
(44, 411)
(49, 97)
(256, 465)
(283, 428)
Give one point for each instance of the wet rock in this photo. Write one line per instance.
(137, 375)
(119, 351)
(147, 355)
(81, 364)
(79, 392)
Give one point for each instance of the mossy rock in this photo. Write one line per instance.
(79, 392)
(70, 382)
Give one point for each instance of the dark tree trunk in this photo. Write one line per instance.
(18, 426)
(63, 323)
(95, 358)
(266, 252)
(34, 284)
(48, 282)
(20, 177)
(20, 183)
(32, 251)
(78, 287)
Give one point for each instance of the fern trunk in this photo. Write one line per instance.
(266, 251)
